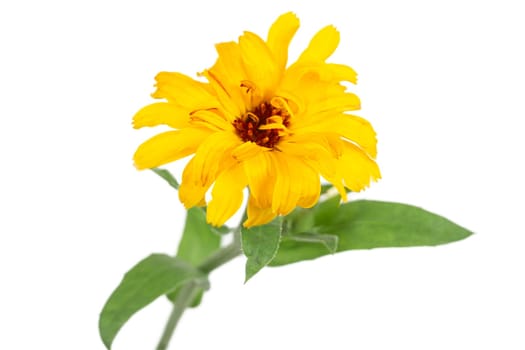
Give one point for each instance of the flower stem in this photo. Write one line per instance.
(223, 255)
(183, 300)
(190, 290)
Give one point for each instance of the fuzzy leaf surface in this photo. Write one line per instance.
(366, 224)
(154, 276)
(199, 241)
(260, 244)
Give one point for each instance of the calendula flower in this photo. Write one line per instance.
(255, 122)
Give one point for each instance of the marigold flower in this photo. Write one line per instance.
(259, 124)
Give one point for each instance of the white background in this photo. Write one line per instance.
(442, 82)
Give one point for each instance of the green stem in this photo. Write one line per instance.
(190, 290)
(184, 299)
(223, 255)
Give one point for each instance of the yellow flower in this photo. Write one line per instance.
(257, 123)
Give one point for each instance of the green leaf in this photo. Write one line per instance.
(200, 289)
(304, 246)
(299, 220)
(166, 175)
(323, 212)
(329, 241)
(198, 242)
(260, 244)
(371, 224)
(151, 278)
(326, 187)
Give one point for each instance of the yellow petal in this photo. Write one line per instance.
(322, 45)
(360, 131)
(210, 119)
(168, 147)
(337, 103)
(296, 183)
(284, 199)
(321, 151)
(335, 142)
(258, 62)
(295, 101)
(261, 177)
(227, 195)
(212, 157)
(351, 127)
(337, 182)
(332, 72)
(357, 168)
(257, 215)
(185, 91)
(192, 194)
(228, 68)
(314, 92)
(280, 35)
(326, 72)
(314, 149)
(329, 140)
(270, 126)
(162, 113)
(247, 150)
(309, 185)
(227, 99)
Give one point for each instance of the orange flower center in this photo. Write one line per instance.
(263, 125)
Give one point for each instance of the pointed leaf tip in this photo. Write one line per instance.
(260, 245)
(365, 224)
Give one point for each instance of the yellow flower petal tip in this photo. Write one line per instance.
(260, 123)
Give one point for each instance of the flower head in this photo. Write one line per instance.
(255, 122)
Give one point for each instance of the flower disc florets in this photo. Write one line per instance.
(256, 126)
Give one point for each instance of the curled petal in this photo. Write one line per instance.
(275, 122)
(210, 119)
